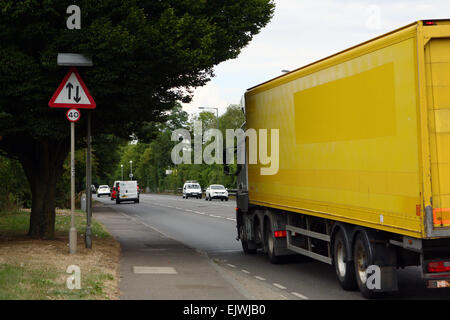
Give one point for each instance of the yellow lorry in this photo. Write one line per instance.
(364, 161)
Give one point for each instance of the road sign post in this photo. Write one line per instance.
(88, 234)
(73, 230)
(73, 93)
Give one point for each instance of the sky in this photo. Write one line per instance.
(304, 31)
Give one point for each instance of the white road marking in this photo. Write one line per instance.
(279, 286)
(231, 265)
(260, 278)
(245, 271)
(299, 295)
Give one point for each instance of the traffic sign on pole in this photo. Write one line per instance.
(73, 115)
(72, 93)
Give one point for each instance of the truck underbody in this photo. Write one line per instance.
(351, 249)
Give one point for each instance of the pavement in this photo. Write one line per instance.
(155, 266)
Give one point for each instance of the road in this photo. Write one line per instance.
(210, 227)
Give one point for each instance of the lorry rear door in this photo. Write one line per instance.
(437, 63)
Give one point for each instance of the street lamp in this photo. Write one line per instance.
(217, 113)
(131, 169)
(121, 170)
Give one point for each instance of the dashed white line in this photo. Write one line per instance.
(231, 265)
(279, 286)
(260, 278)
(245, 271)
(299, 295)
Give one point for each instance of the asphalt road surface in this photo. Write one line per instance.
(210, 227)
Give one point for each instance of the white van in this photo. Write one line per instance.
(127, 191)
(192, 189)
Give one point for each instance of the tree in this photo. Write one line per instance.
(146, 54)
(14, 190)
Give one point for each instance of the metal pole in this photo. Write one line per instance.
(121, 169)
(217, 111)
(131, 170)
(73, 230)
(88, 234)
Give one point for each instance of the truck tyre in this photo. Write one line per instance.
(363, 256)
(269, 245)
(345, 268)
(246, 247)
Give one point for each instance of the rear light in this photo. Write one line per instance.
(429, 23)
(280, 234)
(439, 266)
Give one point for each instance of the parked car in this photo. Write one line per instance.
(192, 189)
(216, 191)
(103, 190)
(114, 190)
(127, 191)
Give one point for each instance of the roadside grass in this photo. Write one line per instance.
(36, 269)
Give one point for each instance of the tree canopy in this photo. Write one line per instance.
(146, 54)
(151, 160)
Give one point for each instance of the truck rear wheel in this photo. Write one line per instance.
(345, 269)
(363, 257)
(247, 247)
(270, 245)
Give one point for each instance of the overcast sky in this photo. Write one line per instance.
(303, 31)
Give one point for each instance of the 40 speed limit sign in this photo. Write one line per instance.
(73, 115)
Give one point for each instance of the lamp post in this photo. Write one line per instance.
(217, 114)
(131, 169)
(79, 60)
(217, 118)
(121, 170)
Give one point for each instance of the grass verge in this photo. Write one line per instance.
(36, 269)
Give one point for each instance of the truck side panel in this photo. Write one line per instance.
(348, 144)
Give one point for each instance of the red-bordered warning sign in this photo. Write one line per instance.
(72, 93)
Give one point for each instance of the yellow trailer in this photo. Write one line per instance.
(364, 157)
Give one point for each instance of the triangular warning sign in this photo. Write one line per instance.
(72, 93)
